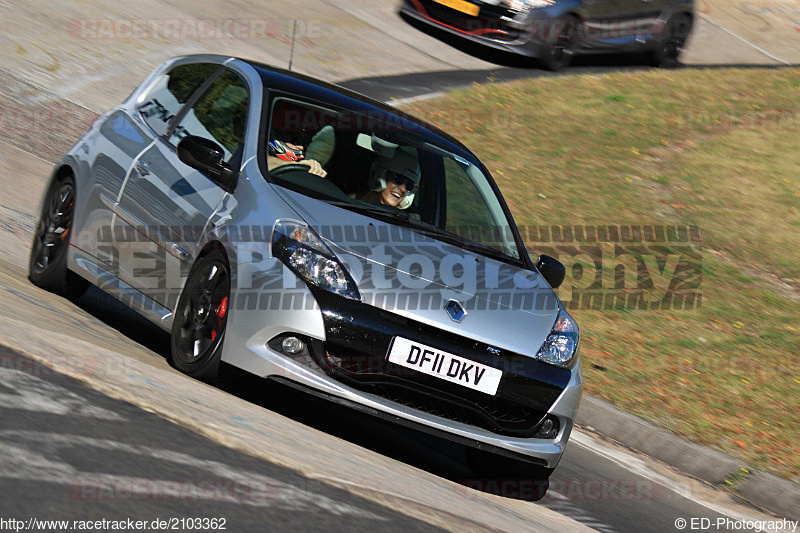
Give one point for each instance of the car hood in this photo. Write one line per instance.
(415, 276)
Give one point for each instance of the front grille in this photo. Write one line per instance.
(375, 375)
(358, 337)
(489, 23)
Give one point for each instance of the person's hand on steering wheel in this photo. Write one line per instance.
(314, 167)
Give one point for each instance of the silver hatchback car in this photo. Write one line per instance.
(310, 235)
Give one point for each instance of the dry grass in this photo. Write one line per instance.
(717, 149)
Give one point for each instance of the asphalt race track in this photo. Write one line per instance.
(54, 428)
(95, 425)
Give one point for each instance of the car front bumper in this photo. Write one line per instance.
(494, 30)
(345, 362)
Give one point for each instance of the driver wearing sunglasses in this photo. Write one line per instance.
(393, 180)
(400, 180)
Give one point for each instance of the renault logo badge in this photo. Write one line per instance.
(455, 310)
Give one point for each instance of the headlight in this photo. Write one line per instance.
(301, 250)
(561, 344)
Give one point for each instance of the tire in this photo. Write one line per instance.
(201, 317)
(563, 34)
(47, 267)
(668, 49)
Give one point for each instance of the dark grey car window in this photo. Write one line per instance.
(219, 115)
(171, 91)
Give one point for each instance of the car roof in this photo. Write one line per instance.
(282, 80)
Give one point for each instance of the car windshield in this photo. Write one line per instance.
(386, 170)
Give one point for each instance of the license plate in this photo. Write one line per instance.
(461, 5)
(446, 366)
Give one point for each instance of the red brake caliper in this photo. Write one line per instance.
(66, 231)
(221, 310)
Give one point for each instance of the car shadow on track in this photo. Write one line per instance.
(125, 320)
(386, 88)
(420, 450)
(409, 86)
(427, 452)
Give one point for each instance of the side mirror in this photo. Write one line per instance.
(206, 156)
(552, 269)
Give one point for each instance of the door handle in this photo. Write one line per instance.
(142, 169)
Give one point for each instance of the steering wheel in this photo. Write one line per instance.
(289, 167)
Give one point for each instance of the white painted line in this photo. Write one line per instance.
(23, 150)
(397, 102)
(46, 93)
(640, 468)
(726, 30)
(34, 456)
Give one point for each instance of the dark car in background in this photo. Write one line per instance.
(553, 31)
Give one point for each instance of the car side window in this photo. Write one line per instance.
(219, 115)
(171, 91)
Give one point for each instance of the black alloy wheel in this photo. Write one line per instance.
(47, 267)
(201, 316)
